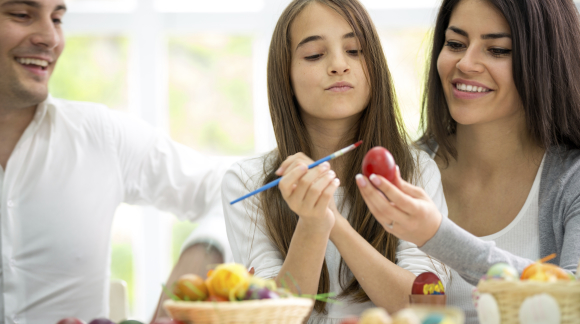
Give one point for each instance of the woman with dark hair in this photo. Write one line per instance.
(328, 87)
(502, 117)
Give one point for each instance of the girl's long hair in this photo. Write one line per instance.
(380, 124)
(546, 55)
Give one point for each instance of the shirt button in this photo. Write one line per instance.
(10, 203)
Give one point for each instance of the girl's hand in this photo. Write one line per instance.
(309, 192)
(403, 209)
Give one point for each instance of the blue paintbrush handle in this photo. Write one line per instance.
(275, 182)
(268, 186)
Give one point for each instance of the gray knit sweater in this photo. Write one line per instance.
(559, 224)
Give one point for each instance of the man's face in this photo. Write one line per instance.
(31, 40)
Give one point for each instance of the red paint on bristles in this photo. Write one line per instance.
(357, 144)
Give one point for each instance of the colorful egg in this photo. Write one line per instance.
(503, 271)
(427, 283)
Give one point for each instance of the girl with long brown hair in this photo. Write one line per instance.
(328, 87)
(502, 117)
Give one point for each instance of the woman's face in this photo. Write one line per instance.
(327, 73)
(475, 65)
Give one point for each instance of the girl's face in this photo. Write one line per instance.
(328, 71)
(475, 65)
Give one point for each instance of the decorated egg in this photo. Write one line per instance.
(427, 283)
(375, 316)
(503, 271)
(540, 309)
(488, 310)
(406, 316)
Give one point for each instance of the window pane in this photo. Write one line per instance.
(407, 51)
(210, 93)
(93, 68)
(209, 6)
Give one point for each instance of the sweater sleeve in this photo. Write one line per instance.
(470, 256)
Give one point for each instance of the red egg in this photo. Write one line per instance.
(426, 278)
(379, 160)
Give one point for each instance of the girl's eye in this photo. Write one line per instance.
(498, 52)
(57, 21)
(454, 46)
(313, 57)
(354, 52)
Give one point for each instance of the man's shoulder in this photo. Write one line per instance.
(72, 105)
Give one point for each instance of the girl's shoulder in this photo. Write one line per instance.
(250, 170)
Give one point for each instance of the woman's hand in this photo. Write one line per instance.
(309, 193)
(403, 209)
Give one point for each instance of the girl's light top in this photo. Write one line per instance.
(252, 247)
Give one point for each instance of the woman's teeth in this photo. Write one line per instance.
(31, 61)
(470, 88)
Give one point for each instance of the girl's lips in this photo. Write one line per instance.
(340, 89)
(468, 95)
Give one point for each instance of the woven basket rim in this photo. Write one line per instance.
(244, 304)
(502, 285)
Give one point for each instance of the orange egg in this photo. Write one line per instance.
(190, 287)
(544, 272)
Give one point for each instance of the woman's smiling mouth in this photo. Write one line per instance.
(466, 89)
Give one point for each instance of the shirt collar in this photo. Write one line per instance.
(42, 110)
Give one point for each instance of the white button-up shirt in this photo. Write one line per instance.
(72, 167)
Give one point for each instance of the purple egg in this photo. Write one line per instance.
(101, 321)
(266, 293)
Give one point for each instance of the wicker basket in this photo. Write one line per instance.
(275, 311)
(511, 294)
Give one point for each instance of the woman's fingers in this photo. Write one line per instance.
(383, 210)
(401, 199)
(408, 188)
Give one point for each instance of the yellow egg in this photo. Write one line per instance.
(375, 316)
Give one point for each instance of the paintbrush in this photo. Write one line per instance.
(275, 182)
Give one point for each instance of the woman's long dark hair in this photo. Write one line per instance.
(546, 71)
(379, 124)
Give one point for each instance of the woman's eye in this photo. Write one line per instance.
(454, 46)
(499, 51)
(57, 21)
(313, 57)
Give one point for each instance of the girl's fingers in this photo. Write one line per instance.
(288, 182)
(292, 161)
(304, 183)
(402, 200)
(318, 187)
(327, 195)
